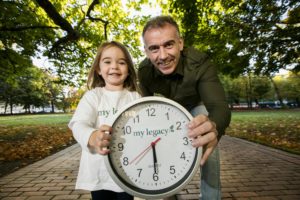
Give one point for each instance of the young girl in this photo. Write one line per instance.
(111, 84)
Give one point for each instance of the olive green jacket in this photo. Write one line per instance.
(194, 81)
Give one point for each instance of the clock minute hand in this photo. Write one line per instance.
(154, 158)
(143, 153)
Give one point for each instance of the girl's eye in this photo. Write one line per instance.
(122, 63)
(107, 62)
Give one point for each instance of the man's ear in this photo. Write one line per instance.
(145, 51)
(181, 43)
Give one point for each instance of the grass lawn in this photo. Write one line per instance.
(36, 119)
(276, 128)
(27, 138)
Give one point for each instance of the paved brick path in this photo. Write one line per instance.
(248, 171)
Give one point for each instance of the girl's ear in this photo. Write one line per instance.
(98, 71)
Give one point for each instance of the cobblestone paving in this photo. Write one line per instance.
(249, 171)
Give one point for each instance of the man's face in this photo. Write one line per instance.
(162, 47)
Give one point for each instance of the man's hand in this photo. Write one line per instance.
(204, 133)
(100, 139)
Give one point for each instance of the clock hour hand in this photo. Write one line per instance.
(143, 153)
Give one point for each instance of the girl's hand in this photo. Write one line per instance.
(100, 139)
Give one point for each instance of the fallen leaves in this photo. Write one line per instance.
(26, 144)
(279, 131)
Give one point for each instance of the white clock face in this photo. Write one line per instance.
(150, 153)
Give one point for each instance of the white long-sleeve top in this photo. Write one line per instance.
(96, 107)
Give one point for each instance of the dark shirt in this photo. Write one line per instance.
(195, 80)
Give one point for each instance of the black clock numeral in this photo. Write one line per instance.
(151, 112)
(167, 114)
(139, 172)
(172, 169)
(136, 119)
(126, 130)
(178, 125)
(186, 141)
(182, 156)
(155, 177)
(120, 146)
(125, 161)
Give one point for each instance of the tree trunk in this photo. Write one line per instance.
(249, 92)
(5, 106)
(52, 106)
(277, 91)
(11, 106)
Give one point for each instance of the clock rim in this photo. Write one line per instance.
(193, 170)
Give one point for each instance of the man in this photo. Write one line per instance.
(188, 77)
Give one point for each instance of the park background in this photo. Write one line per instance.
(47, 48)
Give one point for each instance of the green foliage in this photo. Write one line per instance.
(29, 86)
(289, 86)
(260, 87)
(253, 88)
(243, 36)
(69, 32)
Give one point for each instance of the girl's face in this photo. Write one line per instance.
(113, 68)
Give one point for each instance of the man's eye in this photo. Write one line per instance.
(153, 49)
(169, 45)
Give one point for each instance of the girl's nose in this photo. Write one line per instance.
(114, 65)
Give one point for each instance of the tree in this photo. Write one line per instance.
(233, 89)
(253, 36)
(70, 100)
(260, 88)
(243, 36)
(289, 87)
(68, 32)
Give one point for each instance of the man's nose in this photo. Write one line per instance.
(162, 53)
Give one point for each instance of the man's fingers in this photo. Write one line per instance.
(196, 121)
(205, 156)
(208, 150)
(202, 129)
(204, 139)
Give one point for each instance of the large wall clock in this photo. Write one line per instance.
(151, 155)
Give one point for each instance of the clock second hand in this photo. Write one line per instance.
(141, 155)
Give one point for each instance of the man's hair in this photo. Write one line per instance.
(159, 22)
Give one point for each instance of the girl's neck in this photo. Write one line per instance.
(113, 88)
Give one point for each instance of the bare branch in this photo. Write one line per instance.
(91, 7)
(72, 35)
